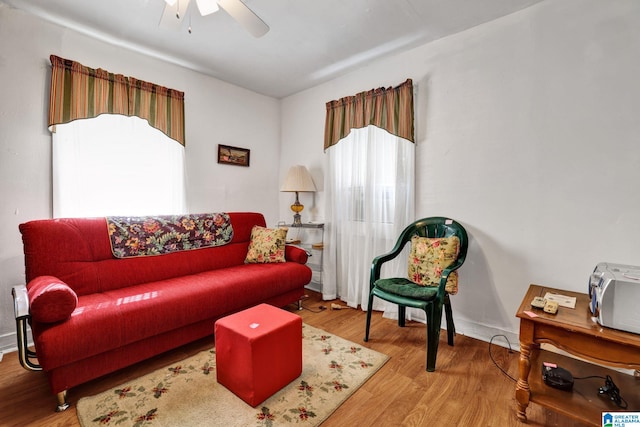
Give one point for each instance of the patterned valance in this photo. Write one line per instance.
(79, 92)
(390, 109)
(157, 235)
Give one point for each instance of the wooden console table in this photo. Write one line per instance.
(574, 331)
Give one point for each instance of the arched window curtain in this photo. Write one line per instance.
(369, 188)
(79, 92)
(390, 109)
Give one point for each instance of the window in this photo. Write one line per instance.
(371, 187)
(116, 165)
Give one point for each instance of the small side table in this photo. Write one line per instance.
(574, 331)
(311, 240)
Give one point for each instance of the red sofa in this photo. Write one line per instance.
(129, 309)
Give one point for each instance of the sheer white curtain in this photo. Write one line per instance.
(116, 165)
(370, 200)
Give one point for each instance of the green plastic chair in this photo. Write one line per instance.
(406, 293)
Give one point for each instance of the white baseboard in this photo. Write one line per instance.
(487, 333)
(314, 286)
(8, 343)
(473, 330)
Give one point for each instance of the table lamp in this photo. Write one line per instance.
(298, 179)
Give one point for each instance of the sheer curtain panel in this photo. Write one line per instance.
(370, 195)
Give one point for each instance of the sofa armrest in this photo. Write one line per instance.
(50, 300)
(20, 301)
(295, 254)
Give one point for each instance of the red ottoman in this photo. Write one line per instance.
(258, 351)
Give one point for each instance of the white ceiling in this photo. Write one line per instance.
(310, 41)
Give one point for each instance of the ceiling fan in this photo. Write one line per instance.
(175, 11)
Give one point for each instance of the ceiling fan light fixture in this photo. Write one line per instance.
(235, 8)
(207, 7)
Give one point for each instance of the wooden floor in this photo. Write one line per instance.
(467, 389)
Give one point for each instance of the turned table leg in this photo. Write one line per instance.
(523, 392)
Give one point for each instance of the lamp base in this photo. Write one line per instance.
(297, 207)
(297, 220)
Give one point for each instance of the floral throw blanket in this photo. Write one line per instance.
(156, 235)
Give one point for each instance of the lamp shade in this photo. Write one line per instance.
(298, 179)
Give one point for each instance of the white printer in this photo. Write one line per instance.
(615, 296)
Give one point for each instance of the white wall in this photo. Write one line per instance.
(527, 133)
(216, 113)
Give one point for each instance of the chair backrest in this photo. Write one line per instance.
(436, 226)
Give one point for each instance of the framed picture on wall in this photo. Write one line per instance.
(233, 155)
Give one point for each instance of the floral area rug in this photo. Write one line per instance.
(187, 393)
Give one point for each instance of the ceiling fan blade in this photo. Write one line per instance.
(207, 7)
(173, 14)
(245, 17)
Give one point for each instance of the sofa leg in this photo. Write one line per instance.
(27, 358)
(63, 405)
(300, 304)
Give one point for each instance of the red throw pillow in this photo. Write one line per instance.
(50, 300)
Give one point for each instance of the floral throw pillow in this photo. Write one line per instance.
(429, 256)
(266, 245)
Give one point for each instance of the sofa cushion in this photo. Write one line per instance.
(50, 300)
(429, 257)
(266, 245)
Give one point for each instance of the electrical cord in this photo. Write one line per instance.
(321, 308)
(610, 389)
(494, 361)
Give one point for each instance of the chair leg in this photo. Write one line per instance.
(402, 314)
(451, 328)
(434, 318)
(369, 310)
